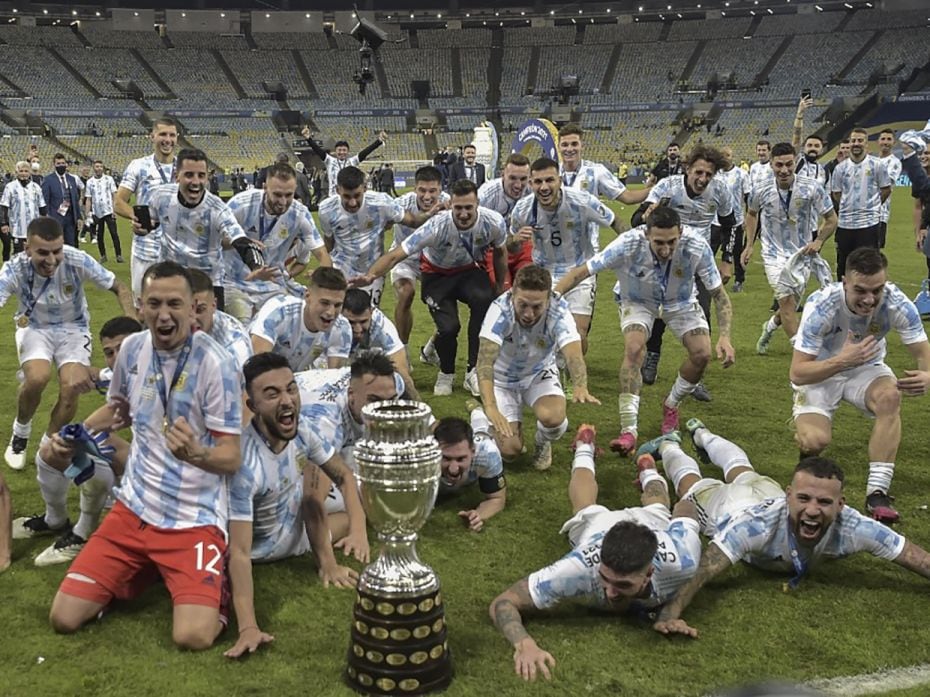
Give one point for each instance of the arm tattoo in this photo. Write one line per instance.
(914, 559)
(506, 611)
(312, 475)
(335, 471)
(713, 562)
(577, 368)
(724, 311)
(488, 352)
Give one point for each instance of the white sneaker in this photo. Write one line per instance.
(35, 526)
(443, 386)
(429, 355)
(15, 454)
(65, 549)
(471, 383)
(542, 456)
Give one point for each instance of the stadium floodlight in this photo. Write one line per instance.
(370, 37)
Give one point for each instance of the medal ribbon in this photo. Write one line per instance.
(163, 394)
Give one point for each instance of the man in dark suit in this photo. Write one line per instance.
(62, 193)
(303, 193)
(466, 167)
(387, 180)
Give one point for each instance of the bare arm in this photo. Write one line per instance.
(914, 558)
(574, 360)
(124, 295)
(260, 344)
(356, 541)
(500, 268)
(121, 204)
(488, 352)
(917, 382)
(399, 359)
(885, 193)
(807, 370)
(797, 133)
(724, 311)
(243, 595)
(321, 254)
(751, 226)
(505, 613)
(223, 458)
(572, 279)
(316, 488)
(713, 563)
(630, 197)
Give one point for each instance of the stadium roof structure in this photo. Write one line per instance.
(451, 9)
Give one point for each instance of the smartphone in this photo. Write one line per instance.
(143, 216)
(806, 93)
(664, 201)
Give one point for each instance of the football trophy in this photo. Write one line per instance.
(398, 643)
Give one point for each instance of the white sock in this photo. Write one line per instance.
(723, 453)
(479, 421)
(771, 327)
(880, 474)
(651, 475)
(544, 434)
(629, 412)
(54, 488)
(93, 496)
(678, 464)
(681, 389)
(22, 430)
(584, 457)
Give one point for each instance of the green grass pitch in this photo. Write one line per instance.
(855, 616)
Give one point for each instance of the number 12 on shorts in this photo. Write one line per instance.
(211, 549)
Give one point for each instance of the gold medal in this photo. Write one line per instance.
(164, 425)
(22, 321)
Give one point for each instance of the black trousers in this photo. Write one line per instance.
(732, 248)
(849, 240)
(114, 235)
(882, 234)
(442, 293)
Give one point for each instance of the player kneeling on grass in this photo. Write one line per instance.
(523, 331)
(56, 456)
(265, 498)
(469, 455)
(629, 561)
(750, 519)
(181, 394)
(656, 266)
(839, 355)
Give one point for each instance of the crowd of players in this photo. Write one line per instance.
(242, 388)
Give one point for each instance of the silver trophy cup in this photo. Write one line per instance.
(398, 643)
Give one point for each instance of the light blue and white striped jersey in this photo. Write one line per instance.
(100, 191)
(446, 248)
(812, 170)
(527, 351)
(594, 178)
(324, 403)
(193, 236)
(698, 212)
(758, 535)
(491, 195)
(562, 239)
(736, 179)
(486, 464)
(157, 487)
(140, 177)
(23, 203)
(63, 302)
(334, 166)
(382, 336)
(644, 279)
(358, 238)
(232, 335)
(267, 492)
(860, 185)
(409, 203)
(760, 173)
(827, 320)
(576, 576)
(788, 218)
(281, 323)
(893, 166)
(278, 236)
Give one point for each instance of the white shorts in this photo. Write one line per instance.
(408, 269)
(137, 269)
(594, 519)
(716, 500)
(581, 298)
(244, 306)
(851, 386)
(58, 345)
(680, 322)
(773, 269)
(511, 400)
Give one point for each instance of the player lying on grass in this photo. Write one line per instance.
(750, 518)
(630, 561)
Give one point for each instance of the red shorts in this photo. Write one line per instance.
(125, 555)
(515, 262)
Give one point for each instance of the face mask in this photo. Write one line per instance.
(61, 169)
